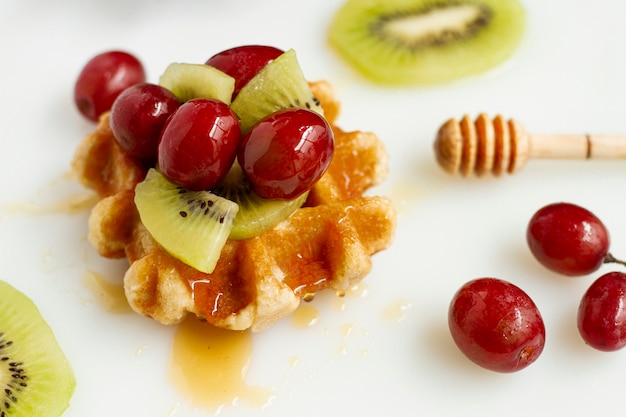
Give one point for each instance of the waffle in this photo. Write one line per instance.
(326, 244)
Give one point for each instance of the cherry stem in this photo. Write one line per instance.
(611, 259)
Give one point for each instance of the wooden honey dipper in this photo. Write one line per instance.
(499, 146)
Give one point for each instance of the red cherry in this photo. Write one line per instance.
(198, 144)
(568, 239)
(286, 153)
(496, 325)
(137, 118)
(243, 62)
(602, 313)
(103, 78)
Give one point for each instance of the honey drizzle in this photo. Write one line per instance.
(110, 296)
(396, 311)
(69, 205)
(209, 365)
(53, 199)
(305, 316)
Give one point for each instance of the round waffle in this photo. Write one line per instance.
(326, 244)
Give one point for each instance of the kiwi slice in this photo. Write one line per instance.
(279, 85)
(189, 81)
(411, 42)
(256, 214)
(36, 378)
(192, 226)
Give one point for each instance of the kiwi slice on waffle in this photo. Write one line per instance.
(192, 226)
(279, 85)
(188, 81)
(256, 214)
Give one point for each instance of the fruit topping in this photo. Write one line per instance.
(187, 133)
(286, 153)
(198, 144)
(243, 62)
(35, 376)
(602, 313)
(103, 78)
(568, 239)
(425, 41)
(256, 214)
(496, 325)
(189, 81)
(279, 85)
(137, 118)
(192, 226)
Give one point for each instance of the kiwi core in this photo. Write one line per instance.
(12, 377)
(432, 26)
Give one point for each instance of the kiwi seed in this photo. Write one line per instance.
(404, 42)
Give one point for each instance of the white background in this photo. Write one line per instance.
(566, 77)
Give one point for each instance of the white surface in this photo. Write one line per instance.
(568, 76)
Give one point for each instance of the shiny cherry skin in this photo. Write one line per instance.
(138, 116)
(243, 62)
(568, 239)
(286, 153)
(103, 78)
(496, 325)
(602, 313)
(198, 144)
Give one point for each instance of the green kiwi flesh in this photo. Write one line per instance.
(192, 226)
(419, 42)
(256, 214)
(36, 377)
(188, 81)
(279, 85)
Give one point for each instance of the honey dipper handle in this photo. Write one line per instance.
(578, 146)
(607, 146)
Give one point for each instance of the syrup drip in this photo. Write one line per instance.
(209, 366)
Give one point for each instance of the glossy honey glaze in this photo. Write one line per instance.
(209, 366)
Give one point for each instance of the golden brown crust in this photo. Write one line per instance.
(327, 244)
(102, 165)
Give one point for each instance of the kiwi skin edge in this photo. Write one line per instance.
(36, 377)
(355, 34)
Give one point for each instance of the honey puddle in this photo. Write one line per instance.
(305, 316)
(396, 311)
(209, 366)
(109, 295)
(404, 195)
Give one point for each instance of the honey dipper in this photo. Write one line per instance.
(498, 146)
